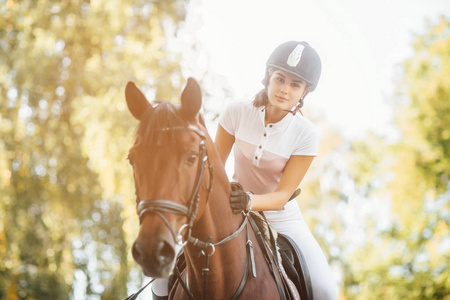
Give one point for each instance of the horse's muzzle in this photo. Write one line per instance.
(155, 256)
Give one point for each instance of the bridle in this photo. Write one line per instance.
(160, 206)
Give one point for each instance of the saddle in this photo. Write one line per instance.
(292, 259)
(294, 264)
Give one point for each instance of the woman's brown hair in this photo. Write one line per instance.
(261, 99)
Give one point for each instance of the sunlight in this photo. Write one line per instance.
(358, 51)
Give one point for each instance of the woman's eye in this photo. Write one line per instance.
(191, 158)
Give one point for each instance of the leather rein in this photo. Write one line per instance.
(160, 206)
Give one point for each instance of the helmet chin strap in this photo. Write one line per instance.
(295, 109)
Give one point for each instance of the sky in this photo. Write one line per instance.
(361, 44)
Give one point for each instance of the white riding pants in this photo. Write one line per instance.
(160, 287)
(289, 221)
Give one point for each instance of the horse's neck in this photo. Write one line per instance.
(217, 222)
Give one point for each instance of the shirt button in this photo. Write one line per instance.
(270, 126)
(256, 157)
(265, 134)
(260, 147)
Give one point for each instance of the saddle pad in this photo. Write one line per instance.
(293, 290)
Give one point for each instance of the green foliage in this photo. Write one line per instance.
(64, 223)
(408, 257)
(426, 128)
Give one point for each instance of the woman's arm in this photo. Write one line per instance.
(293, 174)
(224, 142)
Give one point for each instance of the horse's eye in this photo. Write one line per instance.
(191, 158)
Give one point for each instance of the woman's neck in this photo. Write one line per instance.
(273, 115)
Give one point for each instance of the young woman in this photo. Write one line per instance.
(274, 145)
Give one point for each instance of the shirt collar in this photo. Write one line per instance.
(283, 122)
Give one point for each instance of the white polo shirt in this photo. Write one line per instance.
(261, 152)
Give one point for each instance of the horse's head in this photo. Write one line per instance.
(169, 161)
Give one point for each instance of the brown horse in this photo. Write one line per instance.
(182, 195)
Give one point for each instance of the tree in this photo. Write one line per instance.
(406, 250)
(65, 226)
(421, 186)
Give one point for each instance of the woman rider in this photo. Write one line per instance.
(274, 146)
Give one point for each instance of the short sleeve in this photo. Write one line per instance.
(230, 117)
(308, 141)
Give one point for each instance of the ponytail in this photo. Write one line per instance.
(261, 99)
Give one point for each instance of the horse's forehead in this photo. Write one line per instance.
(166, 143)
(189, 137)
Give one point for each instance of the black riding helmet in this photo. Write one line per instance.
(296, 58)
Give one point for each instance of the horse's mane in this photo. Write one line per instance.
(262, 225)
(265, 230)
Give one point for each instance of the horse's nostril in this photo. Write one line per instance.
(165, 253)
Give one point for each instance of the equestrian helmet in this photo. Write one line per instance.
(296, 58)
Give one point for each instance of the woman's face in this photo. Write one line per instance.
(285, 90)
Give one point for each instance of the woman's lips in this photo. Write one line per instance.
(281, 98)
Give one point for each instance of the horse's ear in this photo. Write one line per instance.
(191, 99)
(136, 101)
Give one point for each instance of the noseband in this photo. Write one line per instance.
(160, 206)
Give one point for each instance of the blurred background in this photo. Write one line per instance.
(377, 197)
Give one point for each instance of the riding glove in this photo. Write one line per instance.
(239, 200)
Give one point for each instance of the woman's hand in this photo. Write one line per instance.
(239, 200)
